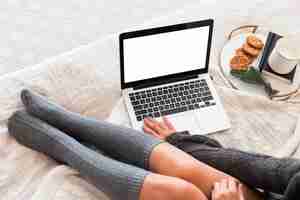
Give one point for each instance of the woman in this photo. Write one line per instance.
(139, 166)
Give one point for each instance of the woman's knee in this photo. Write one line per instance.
(161, 187)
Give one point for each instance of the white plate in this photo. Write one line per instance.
(228, 52)
(282, 85)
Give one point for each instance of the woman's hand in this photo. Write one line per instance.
(158, 129)
(227, 190)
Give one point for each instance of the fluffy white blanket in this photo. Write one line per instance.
(91, 87)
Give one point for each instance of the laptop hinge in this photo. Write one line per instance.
(166, 81)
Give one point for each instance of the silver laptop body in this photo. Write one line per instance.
(164, 72)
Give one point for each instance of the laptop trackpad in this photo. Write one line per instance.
(184, 121)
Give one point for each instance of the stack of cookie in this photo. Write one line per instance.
(246, 54)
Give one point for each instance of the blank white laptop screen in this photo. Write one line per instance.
(165, 53)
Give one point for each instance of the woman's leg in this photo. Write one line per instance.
(115, 179)
(258, 170)
(292, 191)
(121, 143)
(128, 145)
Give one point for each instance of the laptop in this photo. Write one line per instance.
(164, 72)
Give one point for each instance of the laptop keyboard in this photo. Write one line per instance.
(172, 99)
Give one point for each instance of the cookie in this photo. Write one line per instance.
(241, 52)
(250, 50)
(255, 42)
(239, 62)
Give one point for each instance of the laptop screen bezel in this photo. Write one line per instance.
(165, 29)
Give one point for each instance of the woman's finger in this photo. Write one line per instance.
(150, 131)
(161, 124)
(218, 187)
(216, 191)
(168, 123)
(224, 185)
(240, 190)
(154, 125)
(232, 186)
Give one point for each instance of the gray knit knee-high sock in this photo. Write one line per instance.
(118, 180)
(121, 143)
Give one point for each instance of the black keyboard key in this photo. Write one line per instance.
(138, 107)
(197, 106)
(155, 109)
(132, 98)
(173, 111)
(138, 97)
(156, 114)
(205, 99)
(160, 107)
(160, 93)
(130, 94)
(135, 103)
(140, 112)
(191, 107)
(151, 105)
(139, 118)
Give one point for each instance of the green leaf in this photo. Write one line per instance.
(250, 76)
